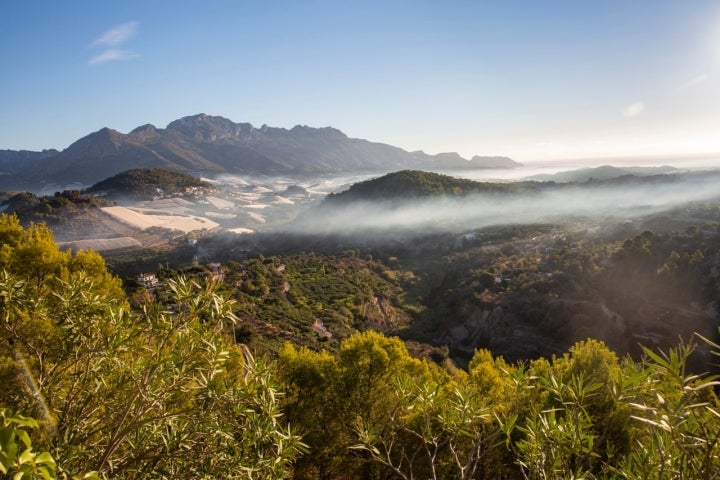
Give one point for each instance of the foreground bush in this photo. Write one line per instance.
(160, 393)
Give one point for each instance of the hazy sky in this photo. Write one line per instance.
(529, 79)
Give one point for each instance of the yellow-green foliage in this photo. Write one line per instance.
(31, 254)
(489, 376)
(165, 392)
(328, 395)
(160, 393)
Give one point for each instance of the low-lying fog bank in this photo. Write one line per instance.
(619, 202)
(256, 204)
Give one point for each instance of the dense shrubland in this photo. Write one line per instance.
(559, 288)
(160, 392)
(308, 299)
(161, 389)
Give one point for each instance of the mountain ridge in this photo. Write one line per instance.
(12, 161)
(215, 144)
(604, 172)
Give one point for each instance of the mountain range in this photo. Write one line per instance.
(213, 145)
(13, 161)
(604, 172)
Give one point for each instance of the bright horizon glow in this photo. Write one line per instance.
(536, 82)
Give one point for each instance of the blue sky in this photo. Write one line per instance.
(534, 80)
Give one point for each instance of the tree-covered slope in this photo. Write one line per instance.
(409, 184)
(71, 214)
(144, 183)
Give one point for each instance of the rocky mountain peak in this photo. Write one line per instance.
(209, 128)
(97, 141)
(449, 156)
(148, 127)
(325, 132)
(144, 132)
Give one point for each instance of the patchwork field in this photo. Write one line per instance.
(102, 244)
(171, 220)
(183, 223)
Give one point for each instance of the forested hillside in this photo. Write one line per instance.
(146, 183)
(70, 212)
(162, 390)
(410, 184)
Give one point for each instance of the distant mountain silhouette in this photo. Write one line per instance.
(603, 172)
(211, 144)
(13, 161)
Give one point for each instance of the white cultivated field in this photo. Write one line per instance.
(184, 223)
(278, 200)
(225, 216)
(102, 244)
(219, 202)
(240, 230)
(169, 205)
(258, 218)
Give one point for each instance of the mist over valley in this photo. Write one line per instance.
(519, 238)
